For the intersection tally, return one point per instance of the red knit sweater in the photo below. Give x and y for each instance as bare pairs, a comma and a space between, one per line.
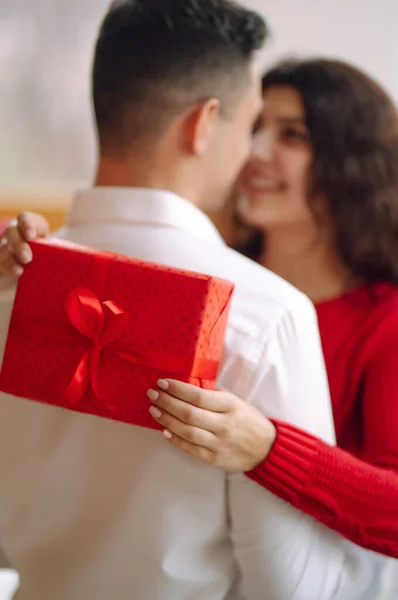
352, 488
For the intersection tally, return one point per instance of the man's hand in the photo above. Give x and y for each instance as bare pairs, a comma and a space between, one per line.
14, 249
214, 426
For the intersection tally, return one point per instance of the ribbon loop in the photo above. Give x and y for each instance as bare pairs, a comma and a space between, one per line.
102, 323
85, 312
117, 323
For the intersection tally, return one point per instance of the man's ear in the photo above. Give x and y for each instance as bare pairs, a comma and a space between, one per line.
201, 125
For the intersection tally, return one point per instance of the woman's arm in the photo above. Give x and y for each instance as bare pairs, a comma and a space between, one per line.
356, 498
14, 248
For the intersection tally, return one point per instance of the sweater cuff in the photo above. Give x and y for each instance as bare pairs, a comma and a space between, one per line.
290, 462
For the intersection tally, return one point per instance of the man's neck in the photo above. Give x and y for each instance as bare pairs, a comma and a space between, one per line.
114, 173
307, 261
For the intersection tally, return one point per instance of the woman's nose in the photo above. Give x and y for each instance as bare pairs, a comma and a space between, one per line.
264, 145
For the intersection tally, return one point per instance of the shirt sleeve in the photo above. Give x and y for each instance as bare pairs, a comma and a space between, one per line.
290, 381
279, 548
357, 498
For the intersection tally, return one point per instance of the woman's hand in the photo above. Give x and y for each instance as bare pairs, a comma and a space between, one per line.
215, 426
14, 249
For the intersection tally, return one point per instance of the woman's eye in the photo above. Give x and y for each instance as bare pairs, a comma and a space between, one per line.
293, 134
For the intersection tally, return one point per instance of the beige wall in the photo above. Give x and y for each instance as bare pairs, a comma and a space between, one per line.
47, 140
54, 209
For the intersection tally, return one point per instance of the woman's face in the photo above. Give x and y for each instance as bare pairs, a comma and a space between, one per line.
273, 187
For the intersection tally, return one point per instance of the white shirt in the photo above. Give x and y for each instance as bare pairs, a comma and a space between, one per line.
91, 509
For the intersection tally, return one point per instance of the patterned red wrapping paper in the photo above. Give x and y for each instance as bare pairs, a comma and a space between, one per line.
93, 331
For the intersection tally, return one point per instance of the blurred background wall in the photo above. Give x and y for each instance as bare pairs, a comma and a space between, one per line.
46, 134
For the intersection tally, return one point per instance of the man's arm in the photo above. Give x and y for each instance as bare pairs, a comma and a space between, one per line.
278, 548
282, 553
290, 381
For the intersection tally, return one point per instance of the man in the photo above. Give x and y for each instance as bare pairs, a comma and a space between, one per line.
93, 510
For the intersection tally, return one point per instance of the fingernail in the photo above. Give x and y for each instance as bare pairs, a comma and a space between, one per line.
166, 434
155, 412
163, 384
17, 270
152, 395
26, 257
29, 235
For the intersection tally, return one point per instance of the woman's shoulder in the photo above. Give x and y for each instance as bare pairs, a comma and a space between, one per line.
383, 317
363, 299
366, 316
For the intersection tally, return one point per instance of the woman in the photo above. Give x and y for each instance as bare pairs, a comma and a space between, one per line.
320, 199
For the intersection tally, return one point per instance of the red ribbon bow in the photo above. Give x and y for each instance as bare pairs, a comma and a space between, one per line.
104, 323
101, 322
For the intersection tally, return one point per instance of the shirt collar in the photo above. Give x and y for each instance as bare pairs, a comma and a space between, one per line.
143, 206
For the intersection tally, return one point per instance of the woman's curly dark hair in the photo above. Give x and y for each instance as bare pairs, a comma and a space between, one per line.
353, 128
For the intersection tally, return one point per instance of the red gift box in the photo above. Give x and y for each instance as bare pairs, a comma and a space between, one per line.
93, 331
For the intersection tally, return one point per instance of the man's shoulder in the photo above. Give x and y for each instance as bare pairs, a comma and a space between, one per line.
260, 298
265, 309
263, 293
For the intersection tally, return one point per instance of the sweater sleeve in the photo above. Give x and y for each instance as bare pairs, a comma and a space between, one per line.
357, 498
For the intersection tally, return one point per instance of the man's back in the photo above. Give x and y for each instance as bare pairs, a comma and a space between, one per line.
266, 310
93, 509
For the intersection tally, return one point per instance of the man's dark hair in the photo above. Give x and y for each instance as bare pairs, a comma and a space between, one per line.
155, 58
